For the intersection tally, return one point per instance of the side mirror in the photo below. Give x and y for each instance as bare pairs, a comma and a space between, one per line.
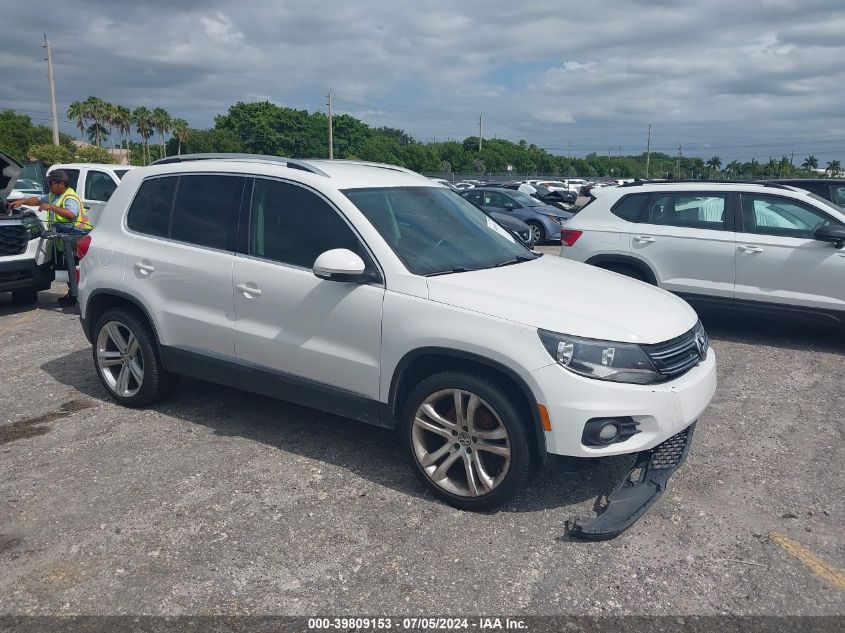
832, 233
340, 264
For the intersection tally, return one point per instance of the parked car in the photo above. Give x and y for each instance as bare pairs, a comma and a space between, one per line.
445, 183
760, 248
95, 183
545, 220
832, 189
463, 185
563, 198
516, 226
369, 292
26, 262
575, 184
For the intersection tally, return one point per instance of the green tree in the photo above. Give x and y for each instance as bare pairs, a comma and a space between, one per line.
123, 122
833, 167
95, 110
78, 113
180, 133
144, 127
811, 162
162, 123
94, 155
50, 154
208, 141
714, 164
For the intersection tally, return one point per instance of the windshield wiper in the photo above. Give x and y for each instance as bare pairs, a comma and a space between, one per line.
516, 260
458, 269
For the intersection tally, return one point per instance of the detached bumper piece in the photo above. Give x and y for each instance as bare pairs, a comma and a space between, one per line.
639, 490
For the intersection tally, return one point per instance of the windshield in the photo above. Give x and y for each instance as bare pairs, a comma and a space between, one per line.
525, 200
434, 230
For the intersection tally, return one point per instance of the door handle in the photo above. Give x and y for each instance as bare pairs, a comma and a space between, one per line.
248, 290
750, 249
645, 239
144, 269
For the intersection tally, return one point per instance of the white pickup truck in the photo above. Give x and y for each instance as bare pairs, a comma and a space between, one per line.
94, 183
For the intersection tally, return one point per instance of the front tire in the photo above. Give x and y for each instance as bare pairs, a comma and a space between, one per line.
466, 439
127, 360
538, 233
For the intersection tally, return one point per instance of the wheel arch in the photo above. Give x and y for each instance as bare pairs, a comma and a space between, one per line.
101, 301
426, 361
625, 260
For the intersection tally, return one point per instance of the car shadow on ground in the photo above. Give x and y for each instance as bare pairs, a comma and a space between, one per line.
782, 334
370, 452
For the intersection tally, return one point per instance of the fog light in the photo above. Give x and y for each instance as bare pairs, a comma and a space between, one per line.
604, 431
608, 432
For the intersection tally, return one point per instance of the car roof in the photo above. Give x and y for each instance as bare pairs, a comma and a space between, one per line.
339, 174
84, 165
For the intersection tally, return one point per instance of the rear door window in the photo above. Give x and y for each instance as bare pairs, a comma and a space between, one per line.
150, 210
690, 210
206, 209
99, 185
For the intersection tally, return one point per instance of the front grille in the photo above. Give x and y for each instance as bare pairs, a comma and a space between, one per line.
671, 452
13, 240
676, 356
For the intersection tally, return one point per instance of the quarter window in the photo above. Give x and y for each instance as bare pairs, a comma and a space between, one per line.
205, 212
630, 207
692, 210
773, 215
290, 224
150, 210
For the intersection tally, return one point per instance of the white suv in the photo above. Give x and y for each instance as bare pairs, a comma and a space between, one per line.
369, 291
756, 248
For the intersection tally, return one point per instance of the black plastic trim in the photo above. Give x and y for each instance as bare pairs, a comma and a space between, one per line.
411, 356
766, 310
625, 260
90, 323
270, 382
39, 277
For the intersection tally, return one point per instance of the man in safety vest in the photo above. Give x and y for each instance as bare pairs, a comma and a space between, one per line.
65, 212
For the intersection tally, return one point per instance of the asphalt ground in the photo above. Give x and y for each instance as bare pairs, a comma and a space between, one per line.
222, 502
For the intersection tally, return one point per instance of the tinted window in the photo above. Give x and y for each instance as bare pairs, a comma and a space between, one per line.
773, 215
838, 196
818, 188
293, 225
150, 210
700, 211
72, 178
99, 185
493, 199
119, 173
473, 196
630, 207
206, 210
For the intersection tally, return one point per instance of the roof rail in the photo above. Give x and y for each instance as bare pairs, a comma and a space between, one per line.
763, 183
292, 163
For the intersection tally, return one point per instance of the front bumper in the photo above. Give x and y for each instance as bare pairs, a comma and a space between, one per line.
661, 410
642, 486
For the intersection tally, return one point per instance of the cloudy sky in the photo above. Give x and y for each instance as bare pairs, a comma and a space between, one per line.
733, 78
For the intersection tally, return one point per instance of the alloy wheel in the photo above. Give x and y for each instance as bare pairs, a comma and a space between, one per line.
119, 359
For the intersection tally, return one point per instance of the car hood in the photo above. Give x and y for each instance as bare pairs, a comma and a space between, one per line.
568, 297
10, 169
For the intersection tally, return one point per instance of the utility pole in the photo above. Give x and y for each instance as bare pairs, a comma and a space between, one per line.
678, 164
52, 90
331, 142
648, 151
480, 129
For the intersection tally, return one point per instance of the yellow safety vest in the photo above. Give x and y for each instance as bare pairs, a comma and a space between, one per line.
81, 221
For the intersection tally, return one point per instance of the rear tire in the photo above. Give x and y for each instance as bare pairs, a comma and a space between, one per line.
477, 459
24, 297
127, 360
538, 233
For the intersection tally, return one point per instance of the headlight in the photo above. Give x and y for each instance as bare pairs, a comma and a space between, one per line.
604, 360
556, 219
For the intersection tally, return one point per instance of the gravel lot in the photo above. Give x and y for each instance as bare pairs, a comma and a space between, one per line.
220, 502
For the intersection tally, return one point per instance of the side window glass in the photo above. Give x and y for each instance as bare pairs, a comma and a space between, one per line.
630, 207
772, 215
839, 195
72, 178
474, 197
497, 200
206, 210
292, 225
690, 210
150, 210
99, 186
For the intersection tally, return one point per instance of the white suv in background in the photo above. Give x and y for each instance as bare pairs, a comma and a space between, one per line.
370, 292
757, 248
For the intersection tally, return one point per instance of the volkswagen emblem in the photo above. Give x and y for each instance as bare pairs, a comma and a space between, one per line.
701, 345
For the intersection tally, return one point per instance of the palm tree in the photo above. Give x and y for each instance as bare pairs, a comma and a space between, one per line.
733, 167
109, 114
811, 163
95, 109
77, 112
144, 123
714, 164
772, 167
123, 122
162, 122
833, 167
180, 131
785, 168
